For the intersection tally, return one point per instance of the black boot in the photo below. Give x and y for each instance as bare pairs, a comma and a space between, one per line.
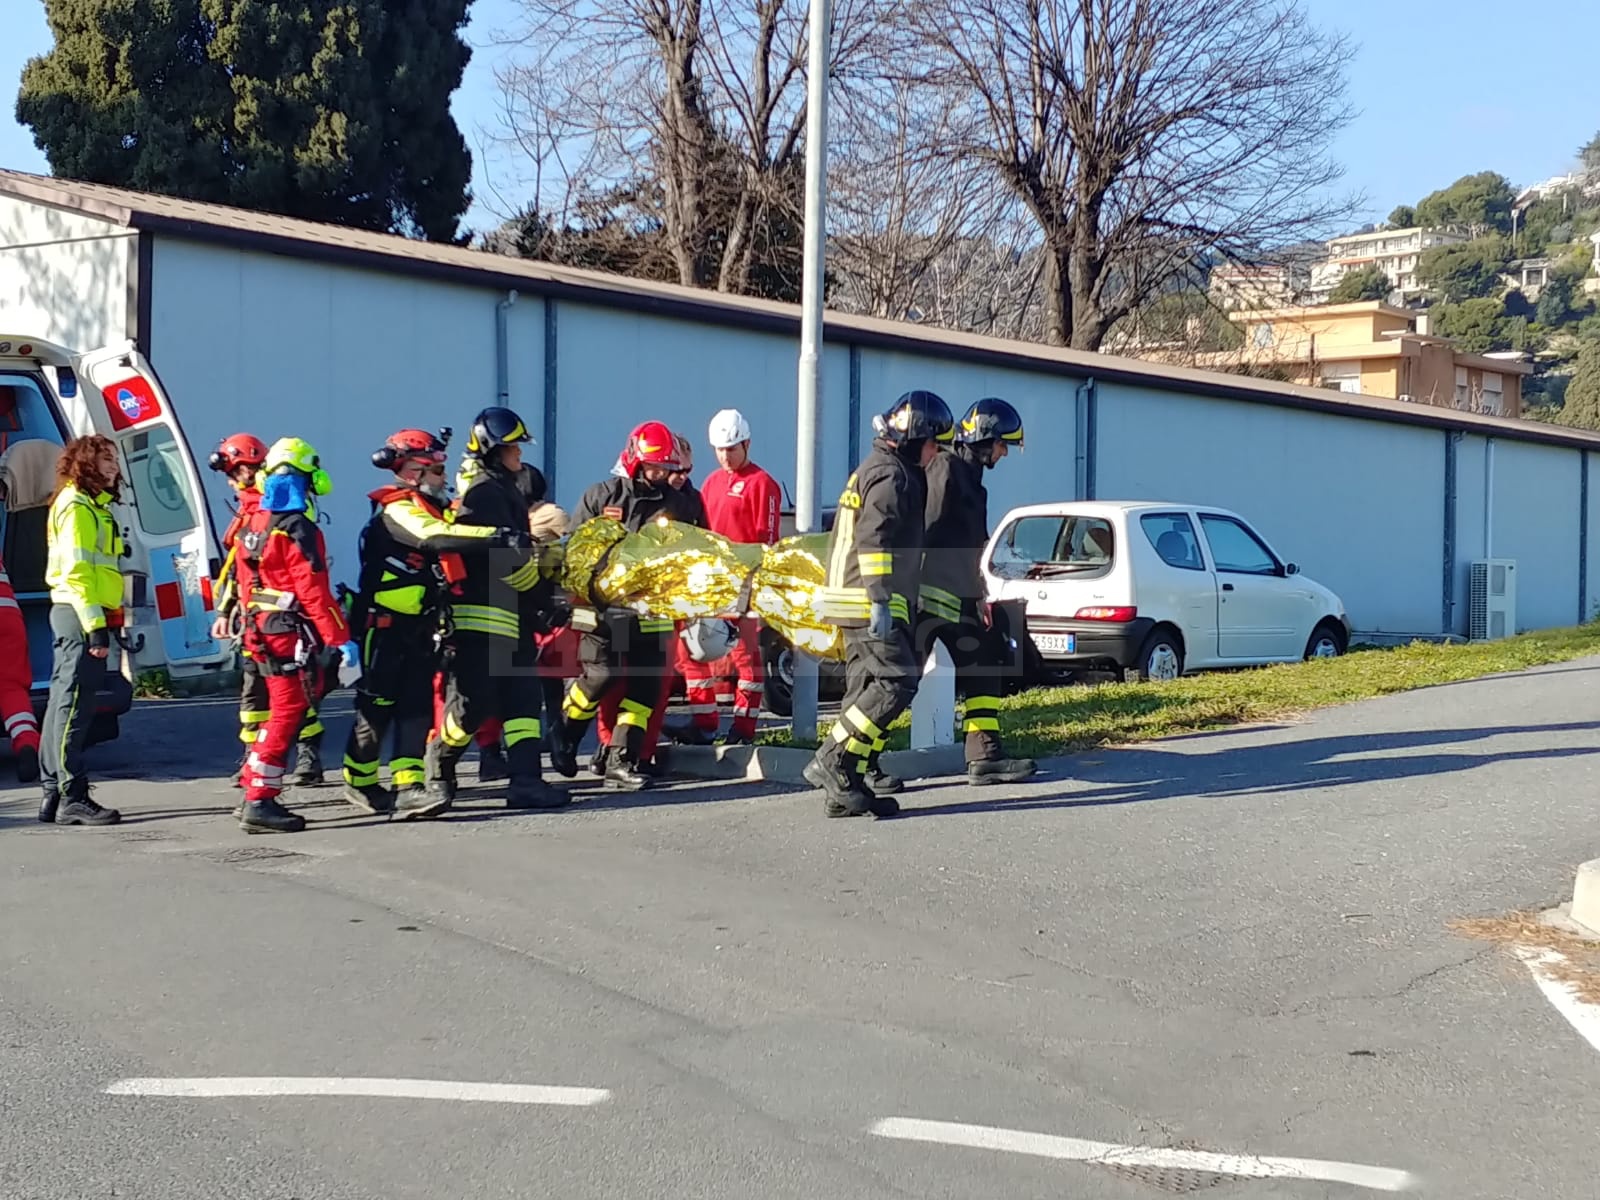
599, 759
28, 764
80, 809
373, 798
440, 765
624, 776
492, 764
564, 749
415, 802
48, 806
880, 783
1000, 770
840, 798
268, 816
533, 792
308, 770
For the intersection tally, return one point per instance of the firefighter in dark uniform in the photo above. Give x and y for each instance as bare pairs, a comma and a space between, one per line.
504, 600
617, 642
411, 561
952, 598
874, 572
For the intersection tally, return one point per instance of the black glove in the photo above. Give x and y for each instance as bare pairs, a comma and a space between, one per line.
100, 639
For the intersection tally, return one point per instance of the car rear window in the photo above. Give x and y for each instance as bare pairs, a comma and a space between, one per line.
1042, 546
1172, 535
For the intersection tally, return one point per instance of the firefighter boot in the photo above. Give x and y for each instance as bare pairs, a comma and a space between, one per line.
987, 763
373, 798
879, 782
308, 770
622, 764
564, 747
48, 807
841, 798
416, 801
599, 759
533, 792
268, 816
492, 763
439, 761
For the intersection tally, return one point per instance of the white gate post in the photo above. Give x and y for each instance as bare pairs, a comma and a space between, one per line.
933, 712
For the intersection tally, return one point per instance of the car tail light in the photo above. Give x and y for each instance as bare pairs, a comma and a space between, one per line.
1120, 615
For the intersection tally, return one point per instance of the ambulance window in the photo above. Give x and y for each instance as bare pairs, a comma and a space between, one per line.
24, 410
160, 483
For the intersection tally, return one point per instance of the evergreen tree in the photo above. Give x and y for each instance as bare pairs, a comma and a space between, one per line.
1369, 283
330, 111
1581, 408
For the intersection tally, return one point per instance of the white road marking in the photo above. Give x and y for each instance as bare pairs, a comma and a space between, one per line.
1583, 1016
408, 1089
1044, 1145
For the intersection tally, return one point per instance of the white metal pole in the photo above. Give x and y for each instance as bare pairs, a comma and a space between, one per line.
807, 501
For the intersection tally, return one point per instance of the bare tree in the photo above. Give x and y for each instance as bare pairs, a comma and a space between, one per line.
1143, 136
691, 112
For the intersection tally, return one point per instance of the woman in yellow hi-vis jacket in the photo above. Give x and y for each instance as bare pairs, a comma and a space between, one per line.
85, 578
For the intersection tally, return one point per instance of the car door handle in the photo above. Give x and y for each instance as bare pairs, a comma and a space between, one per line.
1227, 587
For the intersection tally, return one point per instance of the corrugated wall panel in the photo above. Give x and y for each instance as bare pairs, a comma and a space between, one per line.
1536, 494
1358, 505
341, 357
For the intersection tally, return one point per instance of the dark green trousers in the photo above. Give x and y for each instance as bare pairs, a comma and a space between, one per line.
75, 679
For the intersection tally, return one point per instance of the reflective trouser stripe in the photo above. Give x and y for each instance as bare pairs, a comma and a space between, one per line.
521, 729
631, 712
850, 742
578, 706
982, 714
452, 734
861, 722
981, 725
360, 774
407, 772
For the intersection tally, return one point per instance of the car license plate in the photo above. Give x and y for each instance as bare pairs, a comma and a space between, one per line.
1056, 643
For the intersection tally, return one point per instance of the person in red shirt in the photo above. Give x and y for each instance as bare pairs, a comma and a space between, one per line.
742, 504
16, 677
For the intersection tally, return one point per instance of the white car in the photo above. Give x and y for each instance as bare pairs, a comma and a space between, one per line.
1153, 590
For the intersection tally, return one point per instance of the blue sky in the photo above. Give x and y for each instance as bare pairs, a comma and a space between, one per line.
1441, 90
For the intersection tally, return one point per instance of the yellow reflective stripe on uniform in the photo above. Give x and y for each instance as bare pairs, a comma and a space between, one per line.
407, 601
524, 577
578, 706
254, 716
941, 603
981, 703
360, 774
861, 722
407, 772
482, 618
415, 520
452, 734
521, 729
631, 712
981, 725
900, 607
875, 563
850, 742
655, 624
312, 728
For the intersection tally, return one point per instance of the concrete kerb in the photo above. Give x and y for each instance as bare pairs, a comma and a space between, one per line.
1586, 896
781, 764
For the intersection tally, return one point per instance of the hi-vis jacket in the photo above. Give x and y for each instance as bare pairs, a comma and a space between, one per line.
875, 551
501, 594
957, 521
85, 548
411, 555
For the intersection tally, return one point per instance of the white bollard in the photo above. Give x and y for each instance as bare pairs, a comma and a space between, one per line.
933, 712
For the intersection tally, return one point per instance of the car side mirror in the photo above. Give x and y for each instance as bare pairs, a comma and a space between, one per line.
1291, 569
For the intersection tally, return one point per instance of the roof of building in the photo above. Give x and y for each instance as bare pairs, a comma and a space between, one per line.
246, 229
1297, 312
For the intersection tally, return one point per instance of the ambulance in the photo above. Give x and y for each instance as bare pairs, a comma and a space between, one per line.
50, 394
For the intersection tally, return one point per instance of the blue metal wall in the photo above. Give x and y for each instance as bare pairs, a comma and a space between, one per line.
1386, 513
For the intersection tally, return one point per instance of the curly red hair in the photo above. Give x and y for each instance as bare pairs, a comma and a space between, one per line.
79, 465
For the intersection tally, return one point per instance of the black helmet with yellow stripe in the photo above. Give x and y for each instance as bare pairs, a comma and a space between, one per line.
915, 417
493, 428
991, 420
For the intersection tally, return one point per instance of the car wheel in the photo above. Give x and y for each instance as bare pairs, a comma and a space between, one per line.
1160, 658
778, 659
1327, 641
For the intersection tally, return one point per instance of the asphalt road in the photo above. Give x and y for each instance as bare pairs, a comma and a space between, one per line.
1232, 943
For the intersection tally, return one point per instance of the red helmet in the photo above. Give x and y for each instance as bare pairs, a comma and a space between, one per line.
240, 450
409, 445
651, 443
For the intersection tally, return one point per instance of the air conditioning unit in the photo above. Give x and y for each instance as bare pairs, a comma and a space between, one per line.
1492, 599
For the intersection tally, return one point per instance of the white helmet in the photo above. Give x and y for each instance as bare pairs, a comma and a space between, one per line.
709, 639
728, 428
